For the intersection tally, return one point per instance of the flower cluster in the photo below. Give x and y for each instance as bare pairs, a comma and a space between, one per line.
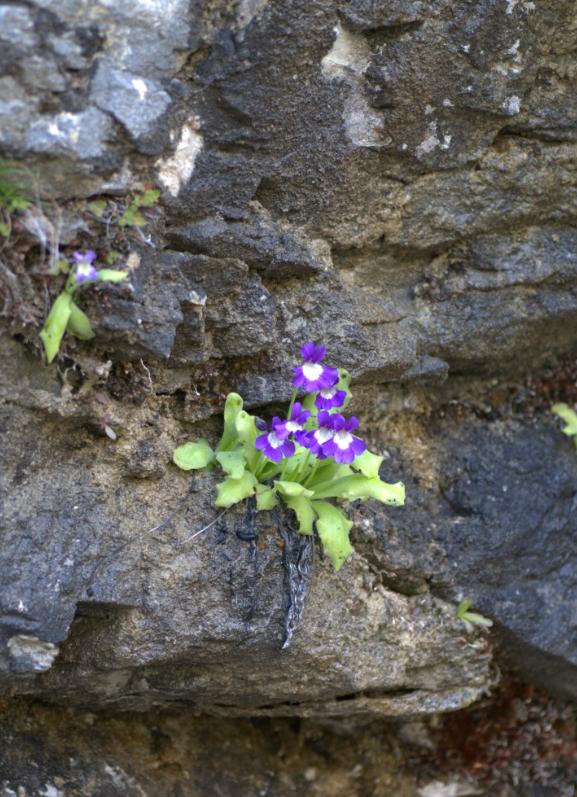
305, 461
324, 433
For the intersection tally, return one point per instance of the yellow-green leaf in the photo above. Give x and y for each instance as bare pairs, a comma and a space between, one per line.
265, 498
292, 489
368, 464
232, 407
148, 199
233, 463
329, 471
304, 511
352, 487
79, 324
333, 528
55, 325
565, 412
231, 491
246, 432
111, 275
97, 207
193, 456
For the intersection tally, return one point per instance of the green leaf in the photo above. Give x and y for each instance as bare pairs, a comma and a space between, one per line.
4, 229
232, 407
333, 528
231, 491
111, 275
112, 256
55, 325
308, 403
569, 416
18, 203
304, 511
471, 618
369, 464
245, 426
79, 324
233, 463
148, 199
193, 456
132, 217
343, 384
478, 619
463, 608
61, 266
265, 498
352, 487
97, 207
327, 471
292, 489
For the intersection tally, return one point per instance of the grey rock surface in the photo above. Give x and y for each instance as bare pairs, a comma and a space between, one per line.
103, 609
395, 179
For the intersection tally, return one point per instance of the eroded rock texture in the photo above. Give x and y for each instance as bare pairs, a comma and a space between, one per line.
396, 179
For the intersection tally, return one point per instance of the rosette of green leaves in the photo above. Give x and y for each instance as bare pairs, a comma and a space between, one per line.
306, 487
66, 316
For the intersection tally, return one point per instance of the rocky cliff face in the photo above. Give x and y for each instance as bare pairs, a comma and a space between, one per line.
396, 179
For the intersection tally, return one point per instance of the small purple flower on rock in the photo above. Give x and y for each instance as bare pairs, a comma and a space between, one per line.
85, 271
315, 440
343, 446
275, 444
295, 424
330, 398
312, 375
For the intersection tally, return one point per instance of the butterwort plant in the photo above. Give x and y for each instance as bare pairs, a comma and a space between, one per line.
309, 459
65, 315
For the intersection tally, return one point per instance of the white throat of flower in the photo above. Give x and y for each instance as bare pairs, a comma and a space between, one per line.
274, 440
312, 371
343, 439
293, 426
323, 434
328, 393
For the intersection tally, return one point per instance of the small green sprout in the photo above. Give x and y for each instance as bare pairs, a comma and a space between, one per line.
305, 461
568, 415
65, 315
132, 217
471, 619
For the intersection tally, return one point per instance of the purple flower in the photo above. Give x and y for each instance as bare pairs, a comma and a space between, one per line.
343, 445
85, 271
329, 398
311, 375
315, 440
295, 424
275, 445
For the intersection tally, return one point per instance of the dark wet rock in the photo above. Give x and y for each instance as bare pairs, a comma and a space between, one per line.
502, 533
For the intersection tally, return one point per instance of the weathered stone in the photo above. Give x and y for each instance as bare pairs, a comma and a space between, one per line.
135, 102
502, 504
80, 135
151, 630
396, 180
260, 243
